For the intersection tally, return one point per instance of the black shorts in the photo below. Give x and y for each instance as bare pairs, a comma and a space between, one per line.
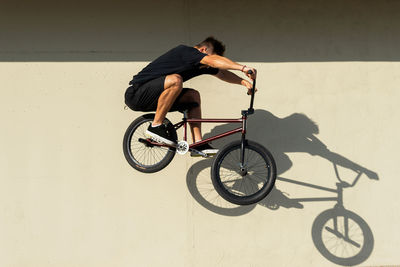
145, 97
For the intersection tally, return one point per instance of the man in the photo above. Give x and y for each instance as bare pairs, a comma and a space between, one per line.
159, 86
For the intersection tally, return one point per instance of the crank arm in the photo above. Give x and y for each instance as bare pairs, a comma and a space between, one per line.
204, 155
150, 143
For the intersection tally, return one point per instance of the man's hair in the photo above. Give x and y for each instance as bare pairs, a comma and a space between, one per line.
218, 47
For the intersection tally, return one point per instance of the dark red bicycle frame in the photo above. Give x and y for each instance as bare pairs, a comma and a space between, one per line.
185, 121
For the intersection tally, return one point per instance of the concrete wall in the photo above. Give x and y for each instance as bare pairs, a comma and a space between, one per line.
328, 94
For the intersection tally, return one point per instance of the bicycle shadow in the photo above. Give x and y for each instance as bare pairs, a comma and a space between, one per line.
294, 133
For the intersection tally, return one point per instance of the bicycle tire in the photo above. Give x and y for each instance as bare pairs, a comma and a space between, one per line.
147, 159
233, 190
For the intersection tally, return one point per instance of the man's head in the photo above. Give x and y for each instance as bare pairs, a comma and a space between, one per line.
211, 46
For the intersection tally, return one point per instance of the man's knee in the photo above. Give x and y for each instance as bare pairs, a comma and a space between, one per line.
191, 96
195, 96
173, 81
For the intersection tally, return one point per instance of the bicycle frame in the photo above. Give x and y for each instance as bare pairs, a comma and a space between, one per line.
193, 146
185, 121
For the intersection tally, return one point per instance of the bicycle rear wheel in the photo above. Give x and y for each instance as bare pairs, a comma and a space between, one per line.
141, 155
243, 187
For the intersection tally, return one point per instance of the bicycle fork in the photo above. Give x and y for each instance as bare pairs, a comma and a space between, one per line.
243, 167
245, 113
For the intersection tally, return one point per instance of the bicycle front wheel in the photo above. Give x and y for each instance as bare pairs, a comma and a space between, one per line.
246, 185
142, 156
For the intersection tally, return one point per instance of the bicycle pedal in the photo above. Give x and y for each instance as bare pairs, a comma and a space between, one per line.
197, 153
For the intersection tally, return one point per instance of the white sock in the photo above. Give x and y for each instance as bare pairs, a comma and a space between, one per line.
155, 125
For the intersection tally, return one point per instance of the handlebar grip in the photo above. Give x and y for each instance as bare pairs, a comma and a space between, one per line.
250, 72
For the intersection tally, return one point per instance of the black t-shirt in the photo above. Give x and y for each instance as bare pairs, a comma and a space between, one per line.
183, 60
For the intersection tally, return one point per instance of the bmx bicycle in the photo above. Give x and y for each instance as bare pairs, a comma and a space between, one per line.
243, 172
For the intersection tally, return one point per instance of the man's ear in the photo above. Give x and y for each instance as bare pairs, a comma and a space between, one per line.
203, 49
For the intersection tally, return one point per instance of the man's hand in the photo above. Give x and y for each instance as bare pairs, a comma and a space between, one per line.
248, 85
251, 76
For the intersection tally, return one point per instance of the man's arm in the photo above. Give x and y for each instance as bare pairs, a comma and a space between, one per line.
224, 63
219, 62
230, 77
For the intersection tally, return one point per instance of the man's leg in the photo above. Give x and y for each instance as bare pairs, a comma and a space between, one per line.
172, 88
193, 96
